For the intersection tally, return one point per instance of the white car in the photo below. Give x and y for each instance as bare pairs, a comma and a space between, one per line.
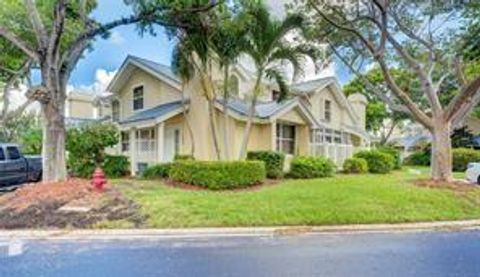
473, 173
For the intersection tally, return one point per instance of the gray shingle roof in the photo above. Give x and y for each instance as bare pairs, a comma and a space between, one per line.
154, 112
309, 86
157, 67
263, 110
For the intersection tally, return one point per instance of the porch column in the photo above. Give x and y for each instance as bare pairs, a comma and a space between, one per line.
160, 141
274, 136
133, 151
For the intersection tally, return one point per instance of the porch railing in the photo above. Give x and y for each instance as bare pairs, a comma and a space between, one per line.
146, 150
338, 153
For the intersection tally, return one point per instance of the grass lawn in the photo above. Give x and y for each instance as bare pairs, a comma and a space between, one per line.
340, 200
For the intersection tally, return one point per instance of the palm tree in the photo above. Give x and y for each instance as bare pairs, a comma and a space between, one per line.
194, 45
268, 48
184, 69
228, 43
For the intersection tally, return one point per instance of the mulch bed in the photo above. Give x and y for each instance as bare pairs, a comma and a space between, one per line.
457, 185
37, 205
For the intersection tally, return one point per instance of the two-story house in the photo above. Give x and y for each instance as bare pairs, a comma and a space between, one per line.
147, 105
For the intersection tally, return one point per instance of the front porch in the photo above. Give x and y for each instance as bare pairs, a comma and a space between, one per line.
146, 145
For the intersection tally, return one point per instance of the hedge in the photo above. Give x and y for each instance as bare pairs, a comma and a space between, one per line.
219, 175
179, 157
273, 162
116, 166
355, 165
421, 158
378, 162
157, 171
306, 167
462, 156
395, 153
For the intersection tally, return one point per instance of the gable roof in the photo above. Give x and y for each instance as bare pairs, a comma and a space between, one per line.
266, 111
158, 70
153, 113
316, 85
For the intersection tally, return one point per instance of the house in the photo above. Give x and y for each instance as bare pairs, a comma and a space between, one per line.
84, 107
147, 105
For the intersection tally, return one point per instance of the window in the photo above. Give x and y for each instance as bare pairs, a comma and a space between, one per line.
286, 138
328, 110
138, 98
2, 155
13, 153
337, 137
234, 86
125, 141
176, 137
275, 95
115, 111
328, 135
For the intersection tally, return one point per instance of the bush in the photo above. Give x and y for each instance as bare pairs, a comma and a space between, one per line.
157, 171
378, 162
116, 166
397, 157
420, 158
179, 157
355, 165
273, 162
218, 175
311, 167
86, 146
463, 156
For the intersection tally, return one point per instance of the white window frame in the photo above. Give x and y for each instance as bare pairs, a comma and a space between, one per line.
280, 138
134, 98
327, 113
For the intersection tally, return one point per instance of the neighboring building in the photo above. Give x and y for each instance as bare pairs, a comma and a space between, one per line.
146, 104
83, 107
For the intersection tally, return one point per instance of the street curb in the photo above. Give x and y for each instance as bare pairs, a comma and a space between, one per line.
191, 233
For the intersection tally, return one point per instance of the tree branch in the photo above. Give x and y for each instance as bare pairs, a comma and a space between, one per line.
19, 43
37, 24
463, 102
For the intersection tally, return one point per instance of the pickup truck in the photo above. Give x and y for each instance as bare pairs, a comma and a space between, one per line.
16, 169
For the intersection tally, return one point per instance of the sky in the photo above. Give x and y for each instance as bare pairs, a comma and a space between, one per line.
97, 68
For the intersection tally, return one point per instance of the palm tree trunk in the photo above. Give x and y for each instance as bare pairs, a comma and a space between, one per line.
187, 123
251, 114
213, 127
226, 132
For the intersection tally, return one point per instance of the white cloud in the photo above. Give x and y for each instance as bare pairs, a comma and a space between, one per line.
99, 86
116, 38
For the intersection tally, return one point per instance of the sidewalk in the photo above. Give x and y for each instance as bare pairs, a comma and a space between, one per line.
128, 234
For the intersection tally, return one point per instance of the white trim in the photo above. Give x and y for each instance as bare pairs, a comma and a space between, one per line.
132, 98
153, 121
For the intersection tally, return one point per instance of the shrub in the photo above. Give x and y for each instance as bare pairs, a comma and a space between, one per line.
311, 167
463, 156
116, 166
157, 171
355, 165
86, 146
395, 153
179, 157
378, 162
420, 158
273, 162
218, 175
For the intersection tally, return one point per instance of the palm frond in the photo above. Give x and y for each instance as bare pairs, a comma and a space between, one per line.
279, 78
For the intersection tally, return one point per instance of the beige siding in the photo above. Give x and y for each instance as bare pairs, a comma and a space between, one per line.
155, 92
80, 108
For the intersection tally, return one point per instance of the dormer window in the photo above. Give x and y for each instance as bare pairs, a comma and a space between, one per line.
115, 111
234, 86
138, 98
275, 95
327, 110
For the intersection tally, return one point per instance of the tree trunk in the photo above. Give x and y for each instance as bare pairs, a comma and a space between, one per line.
441, 152
226, 79
187, 123
213, 127
53, 152
248, 128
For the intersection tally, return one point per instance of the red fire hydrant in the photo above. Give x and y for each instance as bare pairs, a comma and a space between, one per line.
98, 179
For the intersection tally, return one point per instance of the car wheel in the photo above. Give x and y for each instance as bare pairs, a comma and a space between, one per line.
478, 180
39, 178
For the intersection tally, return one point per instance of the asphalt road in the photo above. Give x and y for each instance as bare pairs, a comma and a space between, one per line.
397, 254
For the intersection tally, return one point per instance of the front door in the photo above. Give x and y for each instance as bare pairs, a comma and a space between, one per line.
172, 142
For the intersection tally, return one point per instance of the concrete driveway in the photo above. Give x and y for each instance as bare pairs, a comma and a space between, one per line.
382, 254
